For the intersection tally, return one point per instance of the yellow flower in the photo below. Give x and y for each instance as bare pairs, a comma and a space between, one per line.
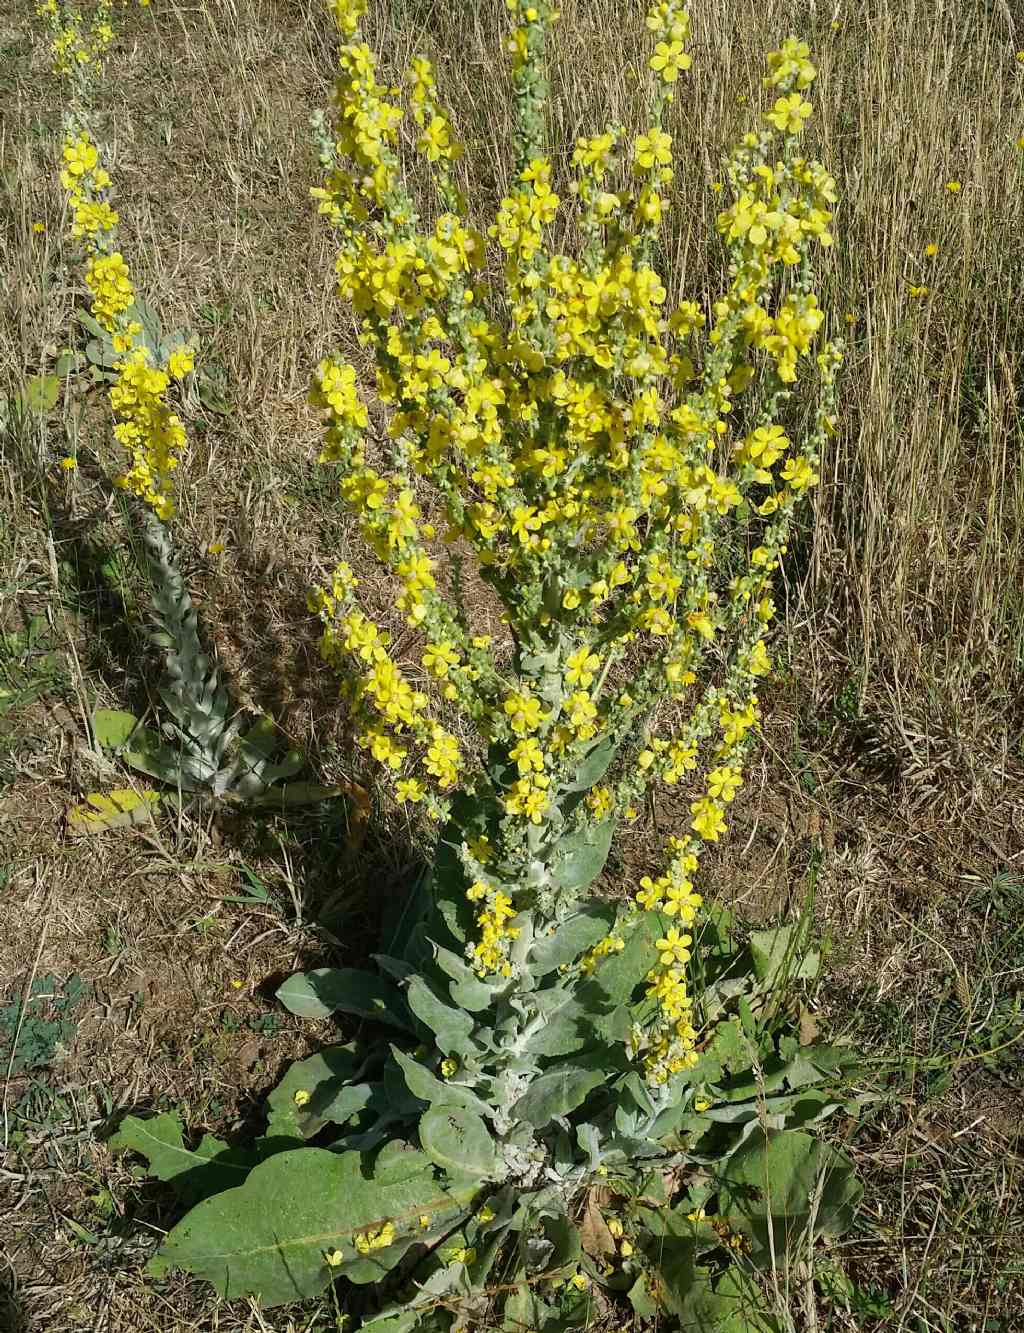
789, 114
302, 1097
38, 227
653, 149
332, 1257
69, 464
953, 187
668, 59
931, 249
180, 362
700, 1105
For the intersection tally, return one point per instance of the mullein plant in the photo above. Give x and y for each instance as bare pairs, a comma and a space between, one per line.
201, 748
594, 449
553, 1054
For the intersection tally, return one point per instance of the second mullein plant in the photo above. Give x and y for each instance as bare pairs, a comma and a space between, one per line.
563, 1101
201, 746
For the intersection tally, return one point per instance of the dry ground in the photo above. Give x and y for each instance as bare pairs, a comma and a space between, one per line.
890, 792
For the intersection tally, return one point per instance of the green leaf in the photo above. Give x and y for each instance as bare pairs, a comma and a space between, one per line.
112, 727
194, 1175
731, 1048
459, 1142
269, 1238
451, 1027
41, 393
467, 990
568, 1025
346, 990
304, 1101
291, 795
148, 754
580, 932
121, 808
594, 766
555, 1094
210, 396
619, 974
767, 1189
779, 956
581, 856
92, 325
422, 1084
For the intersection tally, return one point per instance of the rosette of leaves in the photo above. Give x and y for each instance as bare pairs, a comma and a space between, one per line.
500, 1142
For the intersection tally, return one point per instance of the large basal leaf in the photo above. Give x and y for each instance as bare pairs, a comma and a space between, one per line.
555, 1094
271, 1237
193, 1174
346, 990
459, 1142
292, 795
769, 1187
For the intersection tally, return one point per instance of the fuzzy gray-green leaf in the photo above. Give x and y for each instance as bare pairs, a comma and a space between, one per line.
330, 990
555, 1094
459, 1142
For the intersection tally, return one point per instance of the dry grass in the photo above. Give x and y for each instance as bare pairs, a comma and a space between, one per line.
892, 771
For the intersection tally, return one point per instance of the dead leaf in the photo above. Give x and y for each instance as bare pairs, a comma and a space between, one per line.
808, 1027
121, 808
595, 1237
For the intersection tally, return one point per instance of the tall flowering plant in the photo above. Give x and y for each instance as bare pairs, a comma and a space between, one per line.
201, 746
620, 469
595, 448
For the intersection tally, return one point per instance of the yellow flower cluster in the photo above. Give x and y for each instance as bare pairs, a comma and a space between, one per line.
490, 952
151, 433
77, 50
396, 714
376, 1238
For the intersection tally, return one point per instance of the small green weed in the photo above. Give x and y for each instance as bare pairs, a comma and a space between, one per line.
29, 666
32, 1028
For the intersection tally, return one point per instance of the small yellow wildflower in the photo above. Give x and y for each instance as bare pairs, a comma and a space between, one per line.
38, 227
931, 250
180, 362
953, 187
302, 1097
334, 1258
69, 464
